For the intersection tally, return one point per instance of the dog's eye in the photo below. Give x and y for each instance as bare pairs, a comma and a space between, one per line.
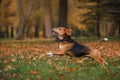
59, 28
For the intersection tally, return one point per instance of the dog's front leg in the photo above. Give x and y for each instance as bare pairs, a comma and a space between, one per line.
59, 52
63, 48
56, 52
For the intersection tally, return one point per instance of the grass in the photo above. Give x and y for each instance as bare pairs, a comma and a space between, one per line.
45, 41
59, 69
94, 39
14, 67
26, 41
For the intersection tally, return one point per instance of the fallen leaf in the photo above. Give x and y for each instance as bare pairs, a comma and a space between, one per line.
14, 75
6, 61
42, 56
71, 69
33, 72
7, 68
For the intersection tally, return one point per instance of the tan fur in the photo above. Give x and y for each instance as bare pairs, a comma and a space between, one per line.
62, 30
96, 55
63, 48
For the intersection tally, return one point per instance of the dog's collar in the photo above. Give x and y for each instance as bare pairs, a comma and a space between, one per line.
60, 37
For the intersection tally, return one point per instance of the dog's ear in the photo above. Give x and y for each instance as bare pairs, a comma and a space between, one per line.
68, 32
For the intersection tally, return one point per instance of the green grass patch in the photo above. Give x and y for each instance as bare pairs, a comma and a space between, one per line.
94, 39
43, 41
27, 41
58, 68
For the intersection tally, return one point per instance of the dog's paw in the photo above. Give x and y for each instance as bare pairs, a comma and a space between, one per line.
50, 54
105, 39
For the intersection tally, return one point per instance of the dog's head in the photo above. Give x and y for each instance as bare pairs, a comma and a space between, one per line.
61, 31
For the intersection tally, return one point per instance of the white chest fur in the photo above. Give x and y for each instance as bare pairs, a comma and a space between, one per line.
60, 37
60, 46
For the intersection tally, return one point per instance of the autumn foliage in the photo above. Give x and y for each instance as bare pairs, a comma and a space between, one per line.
108, 49
24, 59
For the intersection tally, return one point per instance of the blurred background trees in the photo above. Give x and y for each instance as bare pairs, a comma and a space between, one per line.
20, 19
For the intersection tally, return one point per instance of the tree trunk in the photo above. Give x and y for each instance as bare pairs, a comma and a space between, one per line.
47, 19
98, 26
98, 19
103, 28
12, 32
21, 30
119, 30
0, 2
23, 19
37, 28
0, 32
7, 32
63, 10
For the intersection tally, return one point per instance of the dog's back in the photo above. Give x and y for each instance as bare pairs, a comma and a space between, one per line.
79, 50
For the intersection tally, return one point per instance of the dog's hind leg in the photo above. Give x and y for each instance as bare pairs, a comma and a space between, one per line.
96, 55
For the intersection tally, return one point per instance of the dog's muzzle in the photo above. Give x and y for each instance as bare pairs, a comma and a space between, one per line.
54, 33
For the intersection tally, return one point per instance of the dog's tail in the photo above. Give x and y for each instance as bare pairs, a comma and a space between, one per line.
104, 39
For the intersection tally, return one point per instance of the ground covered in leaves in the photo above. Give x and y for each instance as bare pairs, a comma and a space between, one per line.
23, 60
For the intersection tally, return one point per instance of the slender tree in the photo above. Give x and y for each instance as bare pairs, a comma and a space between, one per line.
37, 26
0, 2
63, 12
7, 31
23, 18
1, 18
12, 32
47, 19
98, 18
4, 15
119, 30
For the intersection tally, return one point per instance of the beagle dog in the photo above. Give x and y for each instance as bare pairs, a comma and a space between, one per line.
66, 45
